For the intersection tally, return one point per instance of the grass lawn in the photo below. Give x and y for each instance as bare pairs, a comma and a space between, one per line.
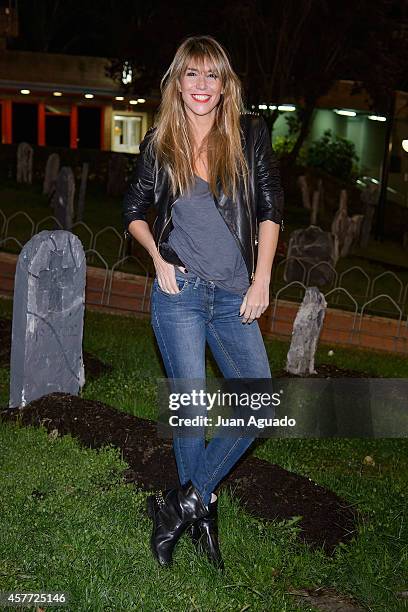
69, 523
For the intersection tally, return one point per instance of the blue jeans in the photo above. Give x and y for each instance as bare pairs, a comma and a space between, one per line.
182, 323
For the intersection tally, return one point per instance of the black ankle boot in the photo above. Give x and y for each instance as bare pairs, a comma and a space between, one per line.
204, 533
172, 511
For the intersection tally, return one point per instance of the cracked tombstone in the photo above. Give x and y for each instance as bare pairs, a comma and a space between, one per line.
48, 310
304, 400
51, 173
62, 200
24, 163
306, 331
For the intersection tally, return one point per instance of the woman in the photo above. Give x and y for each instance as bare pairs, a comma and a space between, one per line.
210, 171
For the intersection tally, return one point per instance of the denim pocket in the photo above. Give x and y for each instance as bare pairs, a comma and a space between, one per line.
182, 284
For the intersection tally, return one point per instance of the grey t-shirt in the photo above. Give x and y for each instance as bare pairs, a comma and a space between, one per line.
204, 243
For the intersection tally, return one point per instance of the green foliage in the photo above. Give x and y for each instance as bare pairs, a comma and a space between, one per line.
333, 154
283, 145
294, 123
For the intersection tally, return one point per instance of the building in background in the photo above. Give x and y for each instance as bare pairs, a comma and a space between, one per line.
59, 100
348, 115
67, 101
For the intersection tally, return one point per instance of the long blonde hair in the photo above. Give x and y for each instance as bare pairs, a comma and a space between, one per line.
172, 139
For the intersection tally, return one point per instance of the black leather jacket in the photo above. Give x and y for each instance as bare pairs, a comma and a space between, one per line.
149, 186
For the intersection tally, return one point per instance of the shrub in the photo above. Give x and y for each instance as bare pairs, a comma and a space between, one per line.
333, 154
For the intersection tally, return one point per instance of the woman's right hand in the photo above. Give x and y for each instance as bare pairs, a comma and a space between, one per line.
166, 276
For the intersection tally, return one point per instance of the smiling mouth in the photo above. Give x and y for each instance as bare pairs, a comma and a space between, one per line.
200, 97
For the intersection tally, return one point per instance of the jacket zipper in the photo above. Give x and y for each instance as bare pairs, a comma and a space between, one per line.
252, 244
165, 225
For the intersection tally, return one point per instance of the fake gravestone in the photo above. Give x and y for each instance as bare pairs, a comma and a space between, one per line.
51, 173
48, 310
352, 236
24, 163
340, 225
369, 197
345, 229
62, 200
312, 246
306, 331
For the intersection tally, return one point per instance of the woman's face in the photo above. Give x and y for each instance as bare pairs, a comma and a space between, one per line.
200, 88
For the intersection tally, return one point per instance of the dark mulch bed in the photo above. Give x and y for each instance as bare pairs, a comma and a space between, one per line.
265, 490
327, 370
94, 367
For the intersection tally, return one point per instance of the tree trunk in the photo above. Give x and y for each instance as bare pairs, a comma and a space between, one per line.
304, 130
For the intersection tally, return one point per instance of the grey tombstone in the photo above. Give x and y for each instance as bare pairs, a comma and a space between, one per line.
117, 174
82, 192
48, 312
312, 246
62, 200
346, 230
369, 197
51, 173
306, 331
352, 235
24, 163
340, 225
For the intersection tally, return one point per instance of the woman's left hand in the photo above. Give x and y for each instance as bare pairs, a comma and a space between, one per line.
255, 302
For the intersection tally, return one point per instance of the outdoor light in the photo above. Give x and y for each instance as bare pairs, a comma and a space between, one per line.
25, 91
57, 94
377, 118
405, 145
286, 107
120, 98
347, 113
88, 95
272, 107
141, 100
262, 106
127, 74
132, 101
